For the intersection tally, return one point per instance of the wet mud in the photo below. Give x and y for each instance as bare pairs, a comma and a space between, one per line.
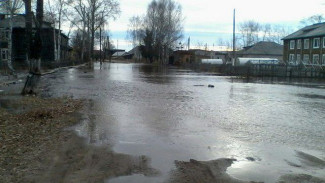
203, 171
35, 145
73, 161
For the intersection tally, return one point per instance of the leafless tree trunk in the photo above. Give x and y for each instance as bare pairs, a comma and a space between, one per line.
36, 52
81, 18
28, 31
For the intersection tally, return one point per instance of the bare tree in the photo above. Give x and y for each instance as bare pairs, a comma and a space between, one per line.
11, 7
99, 13
279, 32
319, 18
80, 21
163, 28
199, 45
249, 32
267, 32
56, 11
135, 30
221, 42
91, 15
228, 43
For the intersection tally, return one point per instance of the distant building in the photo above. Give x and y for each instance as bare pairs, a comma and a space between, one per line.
50, 37
134, 54
196, 55
182, 57
306, 46
262, 50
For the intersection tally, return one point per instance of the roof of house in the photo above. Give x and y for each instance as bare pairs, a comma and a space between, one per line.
19, 22
119, 54
262, 48
132, 51
308, 31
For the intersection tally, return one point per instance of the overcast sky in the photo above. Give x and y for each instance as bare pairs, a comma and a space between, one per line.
207, 21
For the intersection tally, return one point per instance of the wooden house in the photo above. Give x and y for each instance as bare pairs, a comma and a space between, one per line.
306, 46
49, 38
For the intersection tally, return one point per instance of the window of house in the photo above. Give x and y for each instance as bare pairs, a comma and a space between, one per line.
299, 44
291, 58
298, 59
3, 35
306, 44
4, 54
323, 59
306, 59
292, 44
316, 43
315, 59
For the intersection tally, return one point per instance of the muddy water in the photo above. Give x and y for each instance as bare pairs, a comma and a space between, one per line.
170, 114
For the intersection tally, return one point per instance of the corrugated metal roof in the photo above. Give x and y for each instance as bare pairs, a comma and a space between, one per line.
309, 31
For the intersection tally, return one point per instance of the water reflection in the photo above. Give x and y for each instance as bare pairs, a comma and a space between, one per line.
311, 96
156, 74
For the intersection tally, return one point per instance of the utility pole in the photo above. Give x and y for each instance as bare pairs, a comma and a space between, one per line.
189, 43
234, 39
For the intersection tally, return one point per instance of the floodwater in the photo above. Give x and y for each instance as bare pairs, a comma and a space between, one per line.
169, 114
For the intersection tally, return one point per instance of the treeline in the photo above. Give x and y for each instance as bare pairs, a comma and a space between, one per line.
250, 32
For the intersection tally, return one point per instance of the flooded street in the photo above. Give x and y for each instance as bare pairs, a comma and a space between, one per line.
169, 114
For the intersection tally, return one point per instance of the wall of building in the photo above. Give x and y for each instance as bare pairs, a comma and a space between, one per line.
48, 49
304, 51
279, 57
